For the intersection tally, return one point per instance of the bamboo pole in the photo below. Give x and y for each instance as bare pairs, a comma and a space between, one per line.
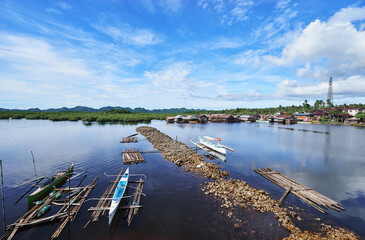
2, 194
35, 172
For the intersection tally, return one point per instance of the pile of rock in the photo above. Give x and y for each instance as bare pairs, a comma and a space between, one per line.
181, 154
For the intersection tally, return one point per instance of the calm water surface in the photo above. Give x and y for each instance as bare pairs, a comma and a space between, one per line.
329, 159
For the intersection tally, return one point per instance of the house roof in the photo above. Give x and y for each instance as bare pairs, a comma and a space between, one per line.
223, 116
283, 116
190, 117
303, 114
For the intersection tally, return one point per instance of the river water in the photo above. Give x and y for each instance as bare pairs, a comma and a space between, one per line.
329, 159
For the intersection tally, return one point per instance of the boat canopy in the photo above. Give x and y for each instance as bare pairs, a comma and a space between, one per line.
209, 138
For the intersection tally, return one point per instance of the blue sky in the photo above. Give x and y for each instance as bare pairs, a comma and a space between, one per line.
196, 54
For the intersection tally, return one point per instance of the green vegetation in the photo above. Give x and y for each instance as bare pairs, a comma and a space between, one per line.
361, 116
127, 115
107, 116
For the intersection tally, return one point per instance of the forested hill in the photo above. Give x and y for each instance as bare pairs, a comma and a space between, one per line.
103, 109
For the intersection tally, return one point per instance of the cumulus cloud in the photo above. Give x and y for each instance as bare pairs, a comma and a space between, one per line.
335, 47
336, 43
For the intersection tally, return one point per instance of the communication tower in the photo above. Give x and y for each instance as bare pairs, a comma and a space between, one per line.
330, 93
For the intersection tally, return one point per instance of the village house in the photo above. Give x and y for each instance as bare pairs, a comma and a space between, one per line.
170, 119
354, 111
352, 120
178, 119
303, 116
190, 119
222, 118
317, 115
202, 118
286, 119
247, 118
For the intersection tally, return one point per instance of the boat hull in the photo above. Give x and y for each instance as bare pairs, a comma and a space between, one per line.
118, 194
212, 146
57, 182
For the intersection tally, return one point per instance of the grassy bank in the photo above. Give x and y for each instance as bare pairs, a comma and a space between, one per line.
85, 116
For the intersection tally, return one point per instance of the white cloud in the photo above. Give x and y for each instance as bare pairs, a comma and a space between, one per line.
129, 35
36, 57
223, 42
337, 42
249, 57
174, 78
229, 11
248, 96
64, 5
167, 6
281, 4
353, 86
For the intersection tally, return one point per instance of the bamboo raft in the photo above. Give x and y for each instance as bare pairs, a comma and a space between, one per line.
131, 156
67, 212
104, 201
129, 140
103, 205
308, 195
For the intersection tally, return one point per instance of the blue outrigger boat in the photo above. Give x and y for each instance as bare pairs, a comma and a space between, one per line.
118, 195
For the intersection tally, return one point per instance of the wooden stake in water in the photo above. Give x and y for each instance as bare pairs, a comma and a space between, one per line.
2, 191
35, 172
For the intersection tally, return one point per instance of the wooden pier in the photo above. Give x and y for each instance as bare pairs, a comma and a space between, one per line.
307, 194
132, 156
67, 212
104, 203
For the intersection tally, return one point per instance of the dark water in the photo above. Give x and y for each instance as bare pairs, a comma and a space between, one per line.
329, 159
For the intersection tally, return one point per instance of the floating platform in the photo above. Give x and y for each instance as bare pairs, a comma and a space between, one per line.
67, 212
307, 194
129, 140
132, 156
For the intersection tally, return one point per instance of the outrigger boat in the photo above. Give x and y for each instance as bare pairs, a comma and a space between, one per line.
47, 187
212, 146
213, 143
118, 195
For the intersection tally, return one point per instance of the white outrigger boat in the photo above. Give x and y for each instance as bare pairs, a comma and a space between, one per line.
212, 146
213, 143
118, 195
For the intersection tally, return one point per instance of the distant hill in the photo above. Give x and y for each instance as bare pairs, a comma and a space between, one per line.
103, 109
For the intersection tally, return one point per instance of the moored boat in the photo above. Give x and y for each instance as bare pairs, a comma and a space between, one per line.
213, 144
47, 187
118, 195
